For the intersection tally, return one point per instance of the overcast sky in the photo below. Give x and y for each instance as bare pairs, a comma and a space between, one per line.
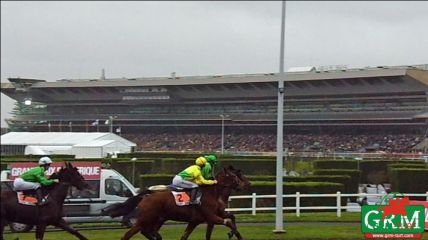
56, 40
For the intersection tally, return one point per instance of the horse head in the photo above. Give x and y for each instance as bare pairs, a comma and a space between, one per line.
244, 183
227, 178
72, 176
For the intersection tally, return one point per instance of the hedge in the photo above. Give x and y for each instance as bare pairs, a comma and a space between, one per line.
376, 171
411, 161
248, 167
353, 174
252, 167
174, 166
126, 169
407, 180
406, 165
148, 180
343, 179
335, 164
176, 155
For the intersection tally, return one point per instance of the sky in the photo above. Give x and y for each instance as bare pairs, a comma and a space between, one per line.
72, 40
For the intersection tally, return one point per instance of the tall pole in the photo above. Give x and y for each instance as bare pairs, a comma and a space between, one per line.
222, 134
279, 224
133, 170
111, 123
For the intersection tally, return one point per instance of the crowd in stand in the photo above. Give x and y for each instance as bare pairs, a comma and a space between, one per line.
398, 143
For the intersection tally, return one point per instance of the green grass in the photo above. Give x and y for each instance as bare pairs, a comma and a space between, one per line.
323, 225
248, 232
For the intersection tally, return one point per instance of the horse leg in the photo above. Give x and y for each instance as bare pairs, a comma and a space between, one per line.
209, 232
156, 230
3, 220
189, 229
158, 236
214, 219
236, 232
40, 231
63, 225
2, 225
134, 230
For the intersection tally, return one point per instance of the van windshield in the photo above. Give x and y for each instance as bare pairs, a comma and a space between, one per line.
92, 192
117, 187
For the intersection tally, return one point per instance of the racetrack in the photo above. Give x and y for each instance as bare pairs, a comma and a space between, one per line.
255, 231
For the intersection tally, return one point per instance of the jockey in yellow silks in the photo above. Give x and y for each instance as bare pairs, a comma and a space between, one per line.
191, 177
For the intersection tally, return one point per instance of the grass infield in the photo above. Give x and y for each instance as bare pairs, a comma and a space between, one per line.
248, 232
259, 227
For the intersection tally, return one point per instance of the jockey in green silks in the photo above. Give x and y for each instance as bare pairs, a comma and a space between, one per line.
35, 179
208, 169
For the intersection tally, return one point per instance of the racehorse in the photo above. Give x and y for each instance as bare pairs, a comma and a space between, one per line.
48, 214
155, 208
221, 211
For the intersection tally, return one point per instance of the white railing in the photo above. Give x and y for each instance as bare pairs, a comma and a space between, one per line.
338, 207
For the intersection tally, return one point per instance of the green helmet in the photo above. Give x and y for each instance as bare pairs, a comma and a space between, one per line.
211, 159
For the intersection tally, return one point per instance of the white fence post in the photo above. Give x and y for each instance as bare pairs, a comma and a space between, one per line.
298, 204
338, 201
253, 205
298, 196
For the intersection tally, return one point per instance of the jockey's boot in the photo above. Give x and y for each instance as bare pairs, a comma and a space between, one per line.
194, 197
40, 200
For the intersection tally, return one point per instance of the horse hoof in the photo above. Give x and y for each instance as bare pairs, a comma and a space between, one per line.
230, 235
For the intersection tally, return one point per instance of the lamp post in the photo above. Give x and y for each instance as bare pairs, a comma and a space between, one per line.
110, 121
222, 132
133, 170
279, 224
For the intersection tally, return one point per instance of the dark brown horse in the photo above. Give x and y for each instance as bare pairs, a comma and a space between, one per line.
48, 214
221, 211
156, 208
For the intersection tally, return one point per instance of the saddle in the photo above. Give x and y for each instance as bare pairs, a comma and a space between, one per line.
27, 197
182, 196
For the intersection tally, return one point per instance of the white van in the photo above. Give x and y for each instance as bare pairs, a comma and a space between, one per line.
85, 206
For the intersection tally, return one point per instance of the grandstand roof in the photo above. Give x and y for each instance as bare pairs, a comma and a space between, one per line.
227, 87
60, 138
218, 79
383, 95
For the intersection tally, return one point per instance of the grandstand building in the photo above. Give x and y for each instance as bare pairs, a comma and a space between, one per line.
380, 99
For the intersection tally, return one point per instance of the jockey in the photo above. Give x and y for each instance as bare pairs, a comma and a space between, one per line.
208, 169
34, 179
191, 177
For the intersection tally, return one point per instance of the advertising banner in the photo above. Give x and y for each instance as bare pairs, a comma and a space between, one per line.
89, 170
393, 217
425, 204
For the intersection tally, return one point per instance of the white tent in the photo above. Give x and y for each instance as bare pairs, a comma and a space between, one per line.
47, 150
82, 145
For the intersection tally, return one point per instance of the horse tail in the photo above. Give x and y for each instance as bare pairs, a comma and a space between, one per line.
122, 209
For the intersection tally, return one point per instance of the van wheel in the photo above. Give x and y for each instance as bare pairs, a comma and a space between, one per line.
20, 227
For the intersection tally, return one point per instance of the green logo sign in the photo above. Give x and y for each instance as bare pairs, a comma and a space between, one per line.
395, 219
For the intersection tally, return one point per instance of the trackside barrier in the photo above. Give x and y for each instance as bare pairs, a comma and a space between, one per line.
298, 197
